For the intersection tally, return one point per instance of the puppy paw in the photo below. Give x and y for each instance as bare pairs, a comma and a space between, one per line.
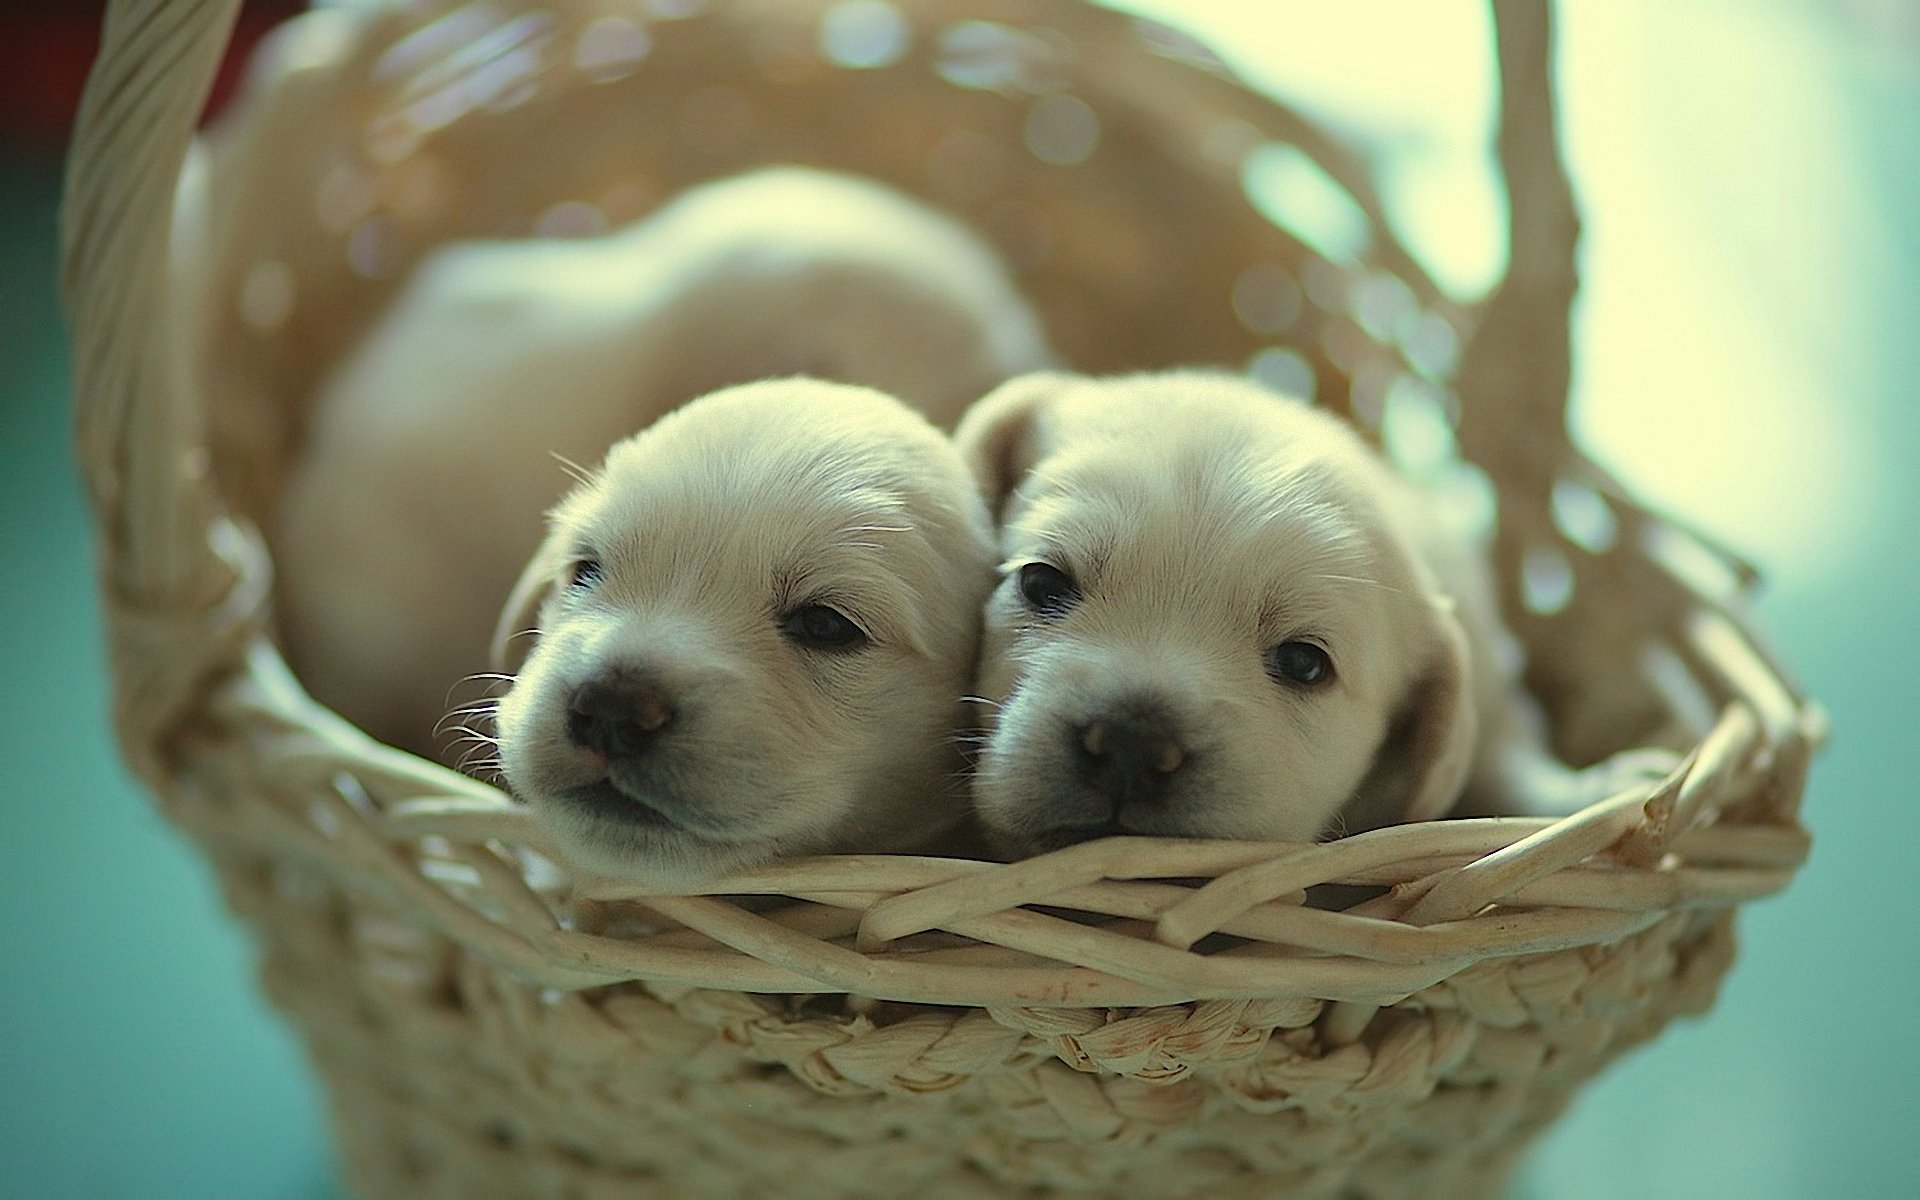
1645, 764
1625, 771
1537, 785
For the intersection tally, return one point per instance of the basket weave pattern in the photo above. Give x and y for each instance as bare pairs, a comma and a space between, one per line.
491, 1022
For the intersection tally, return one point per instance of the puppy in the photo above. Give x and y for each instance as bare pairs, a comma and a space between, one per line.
1222, 615
756, 626
430, 457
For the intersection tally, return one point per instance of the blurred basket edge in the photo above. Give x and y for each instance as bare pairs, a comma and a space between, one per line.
489, 1025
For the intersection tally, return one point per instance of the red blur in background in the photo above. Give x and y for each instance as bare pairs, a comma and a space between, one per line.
46, 47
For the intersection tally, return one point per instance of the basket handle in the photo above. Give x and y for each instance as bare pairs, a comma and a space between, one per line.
183, 587
138, 428
1516, 369
140, 437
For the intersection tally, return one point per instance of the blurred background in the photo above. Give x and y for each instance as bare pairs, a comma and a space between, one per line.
1750, 175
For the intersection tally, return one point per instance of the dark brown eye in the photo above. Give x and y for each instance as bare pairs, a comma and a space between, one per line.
584, 572
819, 627
1047, 589
1300, 663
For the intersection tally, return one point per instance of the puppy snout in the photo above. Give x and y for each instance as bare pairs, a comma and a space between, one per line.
1129, 757
617, 717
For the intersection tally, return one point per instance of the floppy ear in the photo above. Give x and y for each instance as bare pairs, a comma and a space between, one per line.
1004, 434
1422, 766
513, 634
1445, 727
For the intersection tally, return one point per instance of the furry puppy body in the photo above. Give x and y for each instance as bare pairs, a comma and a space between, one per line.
430, 458
756, 625
1222, 615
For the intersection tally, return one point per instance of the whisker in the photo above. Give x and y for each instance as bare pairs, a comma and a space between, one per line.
470, 731
1361, 579
574, 470
465, 713
482, 702
472, 745
446, 729
472, 754
487, 771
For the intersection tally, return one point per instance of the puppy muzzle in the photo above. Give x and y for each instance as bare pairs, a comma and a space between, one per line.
633, 724
1128, 757
1121, 770
619, 716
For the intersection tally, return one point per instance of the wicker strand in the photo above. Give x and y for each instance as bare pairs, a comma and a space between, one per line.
1515, 370
174, 565
136, 428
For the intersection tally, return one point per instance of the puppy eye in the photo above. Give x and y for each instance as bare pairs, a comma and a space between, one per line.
1047, 589
818, 627
583, 573
1301, 663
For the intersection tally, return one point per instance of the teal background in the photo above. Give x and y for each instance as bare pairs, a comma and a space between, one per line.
1752, 177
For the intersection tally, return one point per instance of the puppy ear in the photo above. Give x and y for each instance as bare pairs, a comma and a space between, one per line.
1424, 762
1444, 725
1004, 434
514, 633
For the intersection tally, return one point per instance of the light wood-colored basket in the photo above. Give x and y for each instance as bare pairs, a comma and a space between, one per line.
490, 1023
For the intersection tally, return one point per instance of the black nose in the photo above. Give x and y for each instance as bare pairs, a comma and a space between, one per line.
1130, 758
619, 718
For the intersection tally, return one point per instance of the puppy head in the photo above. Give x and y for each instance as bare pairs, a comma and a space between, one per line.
1210, 621
755, 627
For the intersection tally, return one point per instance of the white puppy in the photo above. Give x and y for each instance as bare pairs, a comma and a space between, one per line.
1222, 615
756, 626
430, 458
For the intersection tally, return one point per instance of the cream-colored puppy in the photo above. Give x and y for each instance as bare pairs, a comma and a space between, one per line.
1222, 615
756, 628
430, 458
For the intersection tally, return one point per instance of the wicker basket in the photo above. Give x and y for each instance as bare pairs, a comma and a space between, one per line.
491, 1023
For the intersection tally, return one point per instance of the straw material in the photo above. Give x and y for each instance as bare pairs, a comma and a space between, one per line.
1145, 1016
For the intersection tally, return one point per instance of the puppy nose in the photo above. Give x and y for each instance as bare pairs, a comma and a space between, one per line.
617, 718
1129, 758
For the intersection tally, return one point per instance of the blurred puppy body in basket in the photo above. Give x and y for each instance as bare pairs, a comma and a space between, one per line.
1223, 615
431, 454
431, 457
